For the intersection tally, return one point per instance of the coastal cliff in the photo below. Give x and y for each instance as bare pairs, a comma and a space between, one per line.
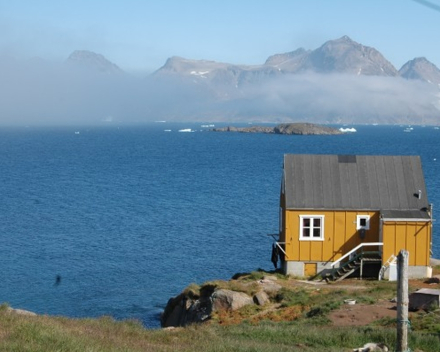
284, 128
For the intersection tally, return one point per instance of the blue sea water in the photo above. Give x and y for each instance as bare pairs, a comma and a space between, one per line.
127, 216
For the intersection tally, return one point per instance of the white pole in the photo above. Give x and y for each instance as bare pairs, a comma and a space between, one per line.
402, 301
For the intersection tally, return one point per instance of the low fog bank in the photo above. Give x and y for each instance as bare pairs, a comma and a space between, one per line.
35, 92
339, 98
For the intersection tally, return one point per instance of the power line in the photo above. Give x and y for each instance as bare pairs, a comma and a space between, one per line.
429, 4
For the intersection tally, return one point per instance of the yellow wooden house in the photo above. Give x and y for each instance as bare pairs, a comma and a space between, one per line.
341, 212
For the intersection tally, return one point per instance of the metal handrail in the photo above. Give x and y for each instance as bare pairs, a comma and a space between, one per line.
281, 248
278, 244
355, 249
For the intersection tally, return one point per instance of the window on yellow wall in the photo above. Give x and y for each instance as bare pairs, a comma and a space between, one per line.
311, 228
363, 222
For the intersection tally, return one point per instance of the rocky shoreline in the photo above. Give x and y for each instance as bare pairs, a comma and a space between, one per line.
197, 306
11, 310
284, 128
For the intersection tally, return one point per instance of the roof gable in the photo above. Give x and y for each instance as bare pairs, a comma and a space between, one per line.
354, 182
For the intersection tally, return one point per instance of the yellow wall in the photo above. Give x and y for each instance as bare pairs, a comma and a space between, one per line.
415, 237
340, 235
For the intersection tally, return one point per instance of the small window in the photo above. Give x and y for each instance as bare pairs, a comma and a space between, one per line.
311, 227
363, 222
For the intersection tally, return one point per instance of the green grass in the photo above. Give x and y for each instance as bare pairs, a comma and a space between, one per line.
289, 298
42, 333
426, 322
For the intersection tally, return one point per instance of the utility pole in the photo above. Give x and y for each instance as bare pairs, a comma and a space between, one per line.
402, 301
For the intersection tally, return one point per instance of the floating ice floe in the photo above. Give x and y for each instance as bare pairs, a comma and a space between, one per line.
348, 129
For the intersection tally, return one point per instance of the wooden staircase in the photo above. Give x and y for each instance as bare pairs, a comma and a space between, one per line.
352, 265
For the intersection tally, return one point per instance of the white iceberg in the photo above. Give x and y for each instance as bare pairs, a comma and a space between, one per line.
348, 129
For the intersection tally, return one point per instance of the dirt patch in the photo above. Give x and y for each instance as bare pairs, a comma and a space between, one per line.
418, 284
362, 314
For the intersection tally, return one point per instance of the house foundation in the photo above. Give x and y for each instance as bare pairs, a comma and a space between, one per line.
303, 269
414, 272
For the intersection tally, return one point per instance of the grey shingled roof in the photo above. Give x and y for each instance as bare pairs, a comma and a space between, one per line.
355, 182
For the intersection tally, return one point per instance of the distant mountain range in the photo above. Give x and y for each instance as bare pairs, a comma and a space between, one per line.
84, 59
342, 81
342, 56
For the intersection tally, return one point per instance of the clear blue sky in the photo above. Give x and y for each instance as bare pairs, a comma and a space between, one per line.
139, 35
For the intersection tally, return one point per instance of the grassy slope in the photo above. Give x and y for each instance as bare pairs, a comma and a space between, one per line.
296, 321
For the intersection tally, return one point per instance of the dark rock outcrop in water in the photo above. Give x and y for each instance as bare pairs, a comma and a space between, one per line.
284, 128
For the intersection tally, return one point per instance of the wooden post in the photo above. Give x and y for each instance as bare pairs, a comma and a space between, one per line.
402, 301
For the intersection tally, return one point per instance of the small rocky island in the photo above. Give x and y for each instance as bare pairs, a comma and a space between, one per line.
284, 128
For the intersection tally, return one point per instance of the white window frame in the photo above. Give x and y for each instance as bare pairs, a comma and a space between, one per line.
301, 227
358, 222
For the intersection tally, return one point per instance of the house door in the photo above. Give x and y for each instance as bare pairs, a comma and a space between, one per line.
310, 269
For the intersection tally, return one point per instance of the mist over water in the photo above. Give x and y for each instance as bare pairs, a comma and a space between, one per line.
36, 92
